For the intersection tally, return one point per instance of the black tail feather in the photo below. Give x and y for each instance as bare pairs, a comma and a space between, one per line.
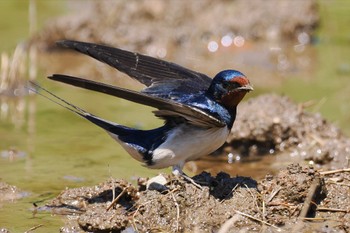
34, 87
141, 141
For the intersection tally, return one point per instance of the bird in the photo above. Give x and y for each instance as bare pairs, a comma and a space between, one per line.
198, 111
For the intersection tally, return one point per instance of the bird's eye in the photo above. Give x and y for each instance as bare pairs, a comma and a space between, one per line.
235, 85
231, 85
225, 85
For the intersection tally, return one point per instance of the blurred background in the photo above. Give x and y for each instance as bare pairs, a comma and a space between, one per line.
298, 49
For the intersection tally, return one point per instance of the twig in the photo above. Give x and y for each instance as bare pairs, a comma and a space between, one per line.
34, 228
35, 210
177, 212
116, 199
133, 223
138, 208
233, 189
189, 179
172, 191
229, 223
308, 200
254, 197
336, 183
263, 209
319, 104
332, 209
258, 220
317, 139
306, 104
273, 194
321, 219
288, 205
306, 205
335, 171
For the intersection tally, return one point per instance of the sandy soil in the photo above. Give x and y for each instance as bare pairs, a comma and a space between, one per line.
297, 199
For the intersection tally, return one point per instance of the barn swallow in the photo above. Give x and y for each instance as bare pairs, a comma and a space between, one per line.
198, 111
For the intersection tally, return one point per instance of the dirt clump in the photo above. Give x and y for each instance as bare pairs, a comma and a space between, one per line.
91, 204
143, 25
285, 201
280, 125
286, 192
335, 206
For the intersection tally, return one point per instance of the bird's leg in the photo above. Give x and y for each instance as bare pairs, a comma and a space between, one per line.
177, 171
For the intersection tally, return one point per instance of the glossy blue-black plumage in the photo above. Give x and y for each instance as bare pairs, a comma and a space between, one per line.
144, 141
198, 111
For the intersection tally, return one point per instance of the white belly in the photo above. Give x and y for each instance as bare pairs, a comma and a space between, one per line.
187, 143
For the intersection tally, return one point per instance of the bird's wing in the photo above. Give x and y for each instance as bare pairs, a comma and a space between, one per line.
161, 78
166, 107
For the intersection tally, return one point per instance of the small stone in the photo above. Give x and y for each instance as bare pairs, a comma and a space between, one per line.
157, 183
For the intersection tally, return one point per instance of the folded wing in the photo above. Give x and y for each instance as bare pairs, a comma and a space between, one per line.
166, 107
162, 78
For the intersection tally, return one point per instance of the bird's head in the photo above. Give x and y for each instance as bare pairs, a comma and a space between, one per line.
229, 87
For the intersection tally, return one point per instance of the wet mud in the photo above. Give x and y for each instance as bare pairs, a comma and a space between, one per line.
271, 124
297, 199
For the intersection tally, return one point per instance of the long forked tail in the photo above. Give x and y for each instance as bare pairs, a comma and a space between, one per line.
107, 125
137, 142
36, 88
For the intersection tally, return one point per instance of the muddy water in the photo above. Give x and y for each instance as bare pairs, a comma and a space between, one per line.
45, 148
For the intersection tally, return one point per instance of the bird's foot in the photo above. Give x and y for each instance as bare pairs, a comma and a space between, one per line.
177, 171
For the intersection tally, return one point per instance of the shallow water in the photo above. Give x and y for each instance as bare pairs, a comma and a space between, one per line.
45, 148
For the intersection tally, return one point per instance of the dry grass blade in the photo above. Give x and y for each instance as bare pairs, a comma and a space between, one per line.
34, 228
273, 194
306, 206
335, 171
116, 199
332, 209
309, 197
258, 220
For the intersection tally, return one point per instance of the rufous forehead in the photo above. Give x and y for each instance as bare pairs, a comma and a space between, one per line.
241, 80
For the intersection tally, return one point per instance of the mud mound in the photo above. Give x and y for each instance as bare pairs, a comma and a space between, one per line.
224, 204
10, 192
141, 24
273, 123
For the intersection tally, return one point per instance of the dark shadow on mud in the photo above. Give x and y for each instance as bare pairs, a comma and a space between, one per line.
222, 186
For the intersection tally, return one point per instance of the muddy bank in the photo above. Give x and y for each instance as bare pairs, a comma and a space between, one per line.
297, 199
143, 25
273, 124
